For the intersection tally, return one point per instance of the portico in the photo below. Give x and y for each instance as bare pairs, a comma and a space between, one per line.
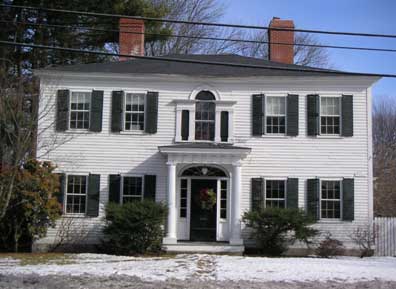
204, 179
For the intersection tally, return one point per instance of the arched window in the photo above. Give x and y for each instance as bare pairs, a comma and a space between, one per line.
205, 111
203, 171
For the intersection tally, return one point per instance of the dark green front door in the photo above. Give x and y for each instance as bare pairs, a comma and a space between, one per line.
203, 211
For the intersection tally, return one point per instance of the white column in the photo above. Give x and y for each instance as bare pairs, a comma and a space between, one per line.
230, 126
172, 211
191, 128
236, 204
217, 126
178, 125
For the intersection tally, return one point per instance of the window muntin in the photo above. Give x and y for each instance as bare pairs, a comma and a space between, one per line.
76, 194
183, 198
275, 194
330, 115
134, 112
205, 111
132, 189
330, 201
275, 115
205, 120
80, 104
223, 199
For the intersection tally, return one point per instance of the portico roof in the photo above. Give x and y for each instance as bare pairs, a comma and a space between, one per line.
204, 153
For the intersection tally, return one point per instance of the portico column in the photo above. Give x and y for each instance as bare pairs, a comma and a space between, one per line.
172, 211
236, 204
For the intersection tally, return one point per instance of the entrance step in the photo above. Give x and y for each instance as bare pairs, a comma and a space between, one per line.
204, 247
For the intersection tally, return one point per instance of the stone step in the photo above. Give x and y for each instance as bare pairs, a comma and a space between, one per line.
204, 247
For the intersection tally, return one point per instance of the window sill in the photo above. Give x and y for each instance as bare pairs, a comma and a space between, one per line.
136, 132
276, 136
79, 131
331, 221
79, 216
330, 136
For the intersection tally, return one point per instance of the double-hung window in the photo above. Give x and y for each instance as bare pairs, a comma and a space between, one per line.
330, 199
275, 115
134, 111
80, 103
205, 116
330, 115
275, 193
132, 189
76, 194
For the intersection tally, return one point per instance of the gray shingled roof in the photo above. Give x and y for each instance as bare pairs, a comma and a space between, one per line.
147, 66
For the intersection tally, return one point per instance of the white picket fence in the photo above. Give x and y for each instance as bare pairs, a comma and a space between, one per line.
385, 243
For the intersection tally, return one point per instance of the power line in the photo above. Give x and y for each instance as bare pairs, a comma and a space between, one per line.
202, 37
95, 14
170, 59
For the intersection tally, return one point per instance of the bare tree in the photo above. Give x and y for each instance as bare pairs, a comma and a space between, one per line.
19, 118
384, 153
212, 11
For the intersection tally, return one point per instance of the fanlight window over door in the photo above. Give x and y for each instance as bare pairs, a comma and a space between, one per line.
203, 171
205, 111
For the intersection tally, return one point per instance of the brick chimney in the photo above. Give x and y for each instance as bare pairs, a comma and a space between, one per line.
130, 43
278, 52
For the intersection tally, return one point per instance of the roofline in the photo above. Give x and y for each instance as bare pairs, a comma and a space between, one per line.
45, 73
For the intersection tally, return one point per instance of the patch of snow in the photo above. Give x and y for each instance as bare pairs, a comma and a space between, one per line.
215, 267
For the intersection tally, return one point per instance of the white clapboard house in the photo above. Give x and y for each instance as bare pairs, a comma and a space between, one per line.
175, 131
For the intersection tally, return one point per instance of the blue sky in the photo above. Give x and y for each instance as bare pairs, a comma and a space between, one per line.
371, 16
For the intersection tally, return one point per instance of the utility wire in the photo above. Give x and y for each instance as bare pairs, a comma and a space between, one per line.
170, 59
199, 37
94, 14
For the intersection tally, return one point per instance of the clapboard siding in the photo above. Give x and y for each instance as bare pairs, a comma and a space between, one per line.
300, 157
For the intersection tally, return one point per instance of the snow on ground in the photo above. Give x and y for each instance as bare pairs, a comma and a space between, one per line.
214, 267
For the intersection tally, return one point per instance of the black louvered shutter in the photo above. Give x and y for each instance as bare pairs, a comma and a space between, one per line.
292, 115
258, 103
93, 195
257, 194
313, 198
96, 111
185, 125
347, 115
151, 112
348, 200
150, 182
313, 114
60, 194
117, 99
224, 126
114, 188
62, 109
292, 193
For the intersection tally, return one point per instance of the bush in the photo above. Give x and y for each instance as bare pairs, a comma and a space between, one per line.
134, 228
32, 207
364, 237
329, 247
274, 229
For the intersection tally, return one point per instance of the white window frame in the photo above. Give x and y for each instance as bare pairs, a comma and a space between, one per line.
215, 122
320, 115
274, 115
122, 187
77, 110
66, 194
320, 198
124, 112
274, 199
186, 198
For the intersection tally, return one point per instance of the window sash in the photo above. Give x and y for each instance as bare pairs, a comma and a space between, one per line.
272, 199
275, 111
205, 120
136, 183
73, 195
223, 199
335, 203
80, 115
330, 123
134, 108
183, 198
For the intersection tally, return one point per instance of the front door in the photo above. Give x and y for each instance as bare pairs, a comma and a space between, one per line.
203, 210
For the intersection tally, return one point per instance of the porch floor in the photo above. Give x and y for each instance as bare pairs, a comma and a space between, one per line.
204, 247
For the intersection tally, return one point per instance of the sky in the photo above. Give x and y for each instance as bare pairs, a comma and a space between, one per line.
368, 16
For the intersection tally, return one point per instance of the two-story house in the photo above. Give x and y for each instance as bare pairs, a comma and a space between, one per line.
174, 130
